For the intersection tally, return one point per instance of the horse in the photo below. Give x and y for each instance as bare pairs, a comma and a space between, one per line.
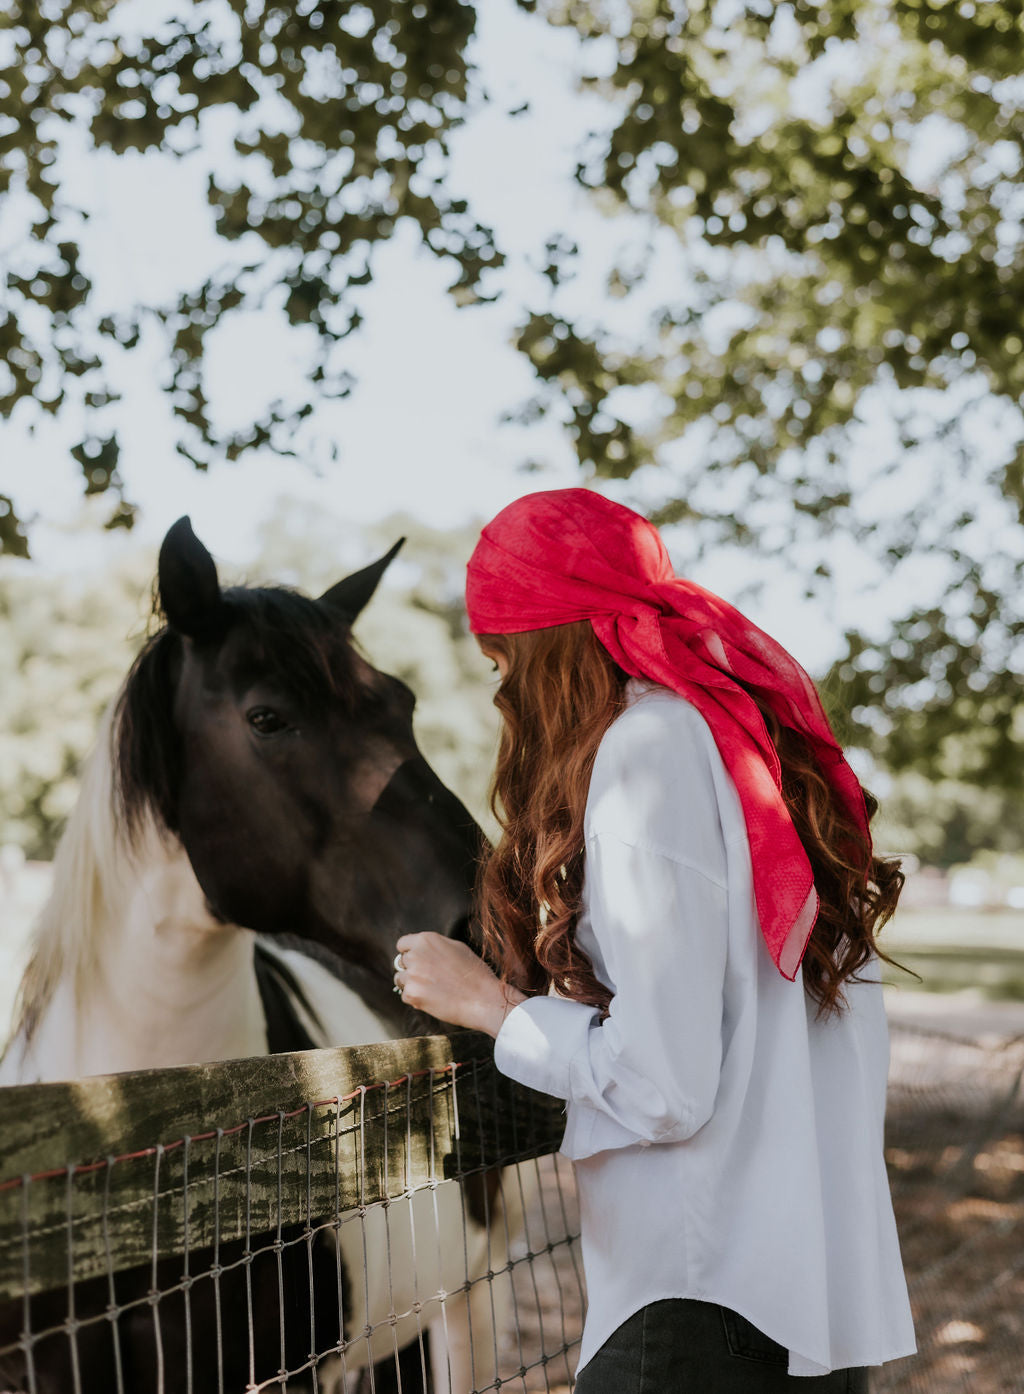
255, 829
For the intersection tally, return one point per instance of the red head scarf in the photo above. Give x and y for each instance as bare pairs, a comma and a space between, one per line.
570, 554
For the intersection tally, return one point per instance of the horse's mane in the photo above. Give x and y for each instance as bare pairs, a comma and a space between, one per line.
130, 781
88, 867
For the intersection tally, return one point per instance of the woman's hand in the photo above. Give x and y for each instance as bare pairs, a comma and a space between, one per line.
448, 980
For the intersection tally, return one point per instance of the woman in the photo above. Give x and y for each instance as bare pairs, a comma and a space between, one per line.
682, 913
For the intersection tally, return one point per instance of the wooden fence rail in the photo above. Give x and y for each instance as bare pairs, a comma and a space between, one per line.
106, 1173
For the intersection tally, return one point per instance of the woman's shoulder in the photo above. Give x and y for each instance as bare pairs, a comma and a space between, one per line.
657, 776
657, 725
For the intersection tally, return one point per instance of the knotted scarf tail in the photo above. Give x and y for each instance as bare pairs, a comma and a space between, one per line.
795, 943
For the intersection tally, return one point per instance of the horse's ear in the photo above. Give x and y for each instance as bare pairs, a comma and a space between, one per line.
187, 576
349, 597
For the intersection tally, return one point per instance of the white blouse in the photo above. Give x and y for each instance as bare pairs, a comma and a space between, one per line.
727, 1144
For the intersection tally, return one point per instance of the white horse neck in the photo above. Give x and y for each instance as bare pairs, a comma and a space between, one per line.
170, 986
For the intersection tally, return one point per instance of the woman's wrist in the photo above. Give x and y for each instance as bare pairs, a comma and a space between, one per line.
495, 1009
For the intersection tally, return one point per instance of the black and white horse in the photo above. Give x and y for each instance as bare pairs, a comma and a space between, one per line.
254, 831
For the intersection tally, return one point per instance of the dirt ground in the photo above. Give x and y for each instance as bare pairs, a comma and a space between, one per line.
955, 1151
955, 1148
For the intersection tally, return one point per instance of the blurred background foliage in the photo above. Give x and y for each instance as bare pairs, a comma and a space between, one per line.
831, 217
65, 644
945, 823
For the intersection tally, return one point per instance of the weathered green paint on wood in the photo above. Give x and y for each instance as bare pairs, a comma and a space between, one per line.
353, 1139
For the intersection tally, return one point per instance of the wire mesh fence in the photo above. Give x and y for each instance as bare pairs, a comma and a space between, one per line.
393, 1218
374, 1219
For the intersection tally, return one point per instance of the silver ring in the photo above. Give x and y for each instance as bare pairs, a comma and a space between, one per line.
399, 962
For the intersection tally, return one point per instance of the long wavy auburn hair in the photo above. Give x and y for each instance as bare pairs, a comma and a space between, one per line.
560, 693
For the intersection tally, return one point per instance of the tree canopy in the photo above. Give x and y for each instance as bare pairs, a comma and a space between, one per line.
825, 351
835, 238
335, 116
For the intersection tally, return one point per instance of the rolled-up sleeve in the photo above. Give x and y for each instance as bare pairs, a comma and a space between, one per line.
539, 1040
648, 1072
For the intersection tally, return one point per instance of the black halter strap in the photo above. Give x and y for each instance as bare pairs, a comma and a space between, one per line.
281, 996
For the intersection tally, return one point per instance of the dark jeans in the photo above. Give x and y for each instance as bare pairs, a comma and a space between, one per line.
685, 1347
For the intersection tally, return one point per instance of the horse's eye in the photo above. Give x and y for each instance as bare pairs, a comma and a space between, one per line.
265, 721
